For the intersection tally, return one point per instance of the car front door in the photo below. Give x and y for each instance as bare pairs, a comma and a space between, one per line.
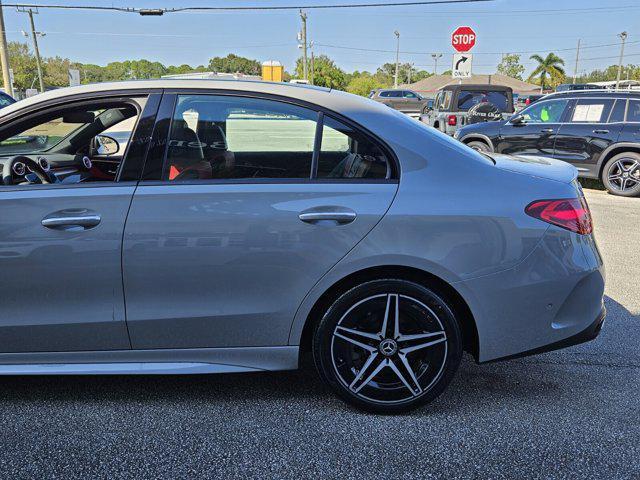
412, 102
60, 249
535, 133
232, 226
590, 126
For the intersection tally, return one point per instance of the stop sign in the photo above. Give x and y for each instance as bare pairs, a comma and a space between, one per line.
463, 39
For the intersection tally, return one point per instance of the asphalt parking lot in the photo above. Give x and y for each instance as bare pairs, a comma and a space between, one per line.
567, 414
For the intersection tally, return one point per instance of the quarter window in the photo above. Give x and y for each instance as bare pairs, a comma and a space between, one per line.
224, 137
346, 153
591, 110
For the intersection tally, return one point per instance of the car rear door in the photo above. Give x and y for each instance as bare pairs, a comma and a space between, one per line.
251, 202
590, 126
536, 134
60, 257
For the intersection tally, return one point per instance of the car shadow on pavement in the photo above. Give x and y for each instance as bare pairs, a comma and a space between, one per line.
527, 380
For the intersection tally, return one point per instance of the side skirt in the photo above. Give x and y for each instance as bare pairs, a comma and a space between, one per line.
151, 362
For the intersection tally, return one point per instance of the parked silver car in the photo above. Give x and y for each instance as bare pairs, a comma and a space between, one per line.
246, 223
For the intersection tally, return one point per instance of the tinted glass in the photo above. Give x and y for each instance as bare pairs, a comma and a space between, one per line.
221, 137
545, 112
633, 113
470, 98
617, 114
346, 153
395, 94
5, 100
591, 110
384, 94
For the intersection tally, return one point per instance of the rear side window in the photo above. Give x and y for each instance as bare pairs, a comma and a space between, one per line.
220, 137
384, 94
591, 110
633, 113
347, 153
617, 113
471, 98
394, 94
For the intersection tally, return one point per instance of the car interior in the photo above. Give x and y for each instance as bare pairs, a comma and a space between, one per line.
73, 144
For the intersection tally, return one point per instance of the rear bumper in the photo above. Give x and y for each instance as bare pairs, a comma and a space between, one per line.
586, 335
554, 298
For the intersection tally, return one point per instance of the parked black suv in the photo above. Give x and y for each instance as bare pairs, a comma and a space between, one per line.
597, 131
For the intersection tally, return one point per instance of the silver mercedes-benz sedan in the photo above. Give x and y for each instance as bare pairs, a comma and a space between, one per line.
180, 226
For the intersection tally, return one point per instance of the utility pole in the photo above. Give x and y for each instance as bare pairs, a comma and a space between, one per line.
313, 71
395, 80
575, 70
4, 56
303, 17
34, 35
435, 57
623, 36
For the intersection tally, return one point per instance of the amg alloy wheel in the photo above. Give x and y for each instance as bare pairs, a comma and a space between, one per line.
621, 174
388, 345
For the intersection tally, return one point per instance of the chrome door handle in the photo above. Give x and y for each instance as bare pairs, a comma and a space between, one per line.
547, 130
338, 216
71, 219
600, 131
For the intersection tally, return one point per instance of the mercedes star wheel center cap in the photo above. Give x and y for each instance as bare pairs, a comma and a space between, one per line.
388, 347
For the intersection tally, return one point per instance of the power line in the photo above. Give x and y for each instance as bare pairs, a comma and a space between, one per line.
475, 53
161, 11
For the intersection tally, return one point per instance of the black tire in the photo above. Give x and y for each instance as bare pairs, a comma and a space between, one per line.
478, 145
621, 174
413, 373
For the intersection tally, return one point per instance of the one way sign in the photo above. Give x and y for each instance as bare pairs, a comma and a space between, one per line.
461, 65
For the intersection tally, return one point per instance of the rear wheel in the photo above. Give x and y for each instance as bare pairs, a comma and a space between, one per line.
621, 174
388, 346
479, 146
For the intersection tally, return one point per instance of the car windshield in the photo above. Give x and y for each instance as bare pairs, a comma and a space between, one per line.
470, 98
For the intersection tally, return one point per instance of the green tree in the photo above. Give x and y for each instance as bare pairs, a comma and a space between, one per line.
547, 68
235, 64
23, 63
325, 72
511, 67
363, 84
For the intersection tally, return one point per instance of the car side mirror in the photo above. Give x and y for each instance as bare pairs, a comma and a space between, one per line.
105, 145
518, 120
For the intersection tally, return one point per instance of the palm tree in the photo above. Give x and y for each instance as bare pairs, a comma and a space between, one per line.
549, 66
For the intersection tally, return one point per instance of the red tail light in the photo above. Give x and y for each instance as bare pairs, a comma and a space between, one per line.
452, 120
570, 213
527, 101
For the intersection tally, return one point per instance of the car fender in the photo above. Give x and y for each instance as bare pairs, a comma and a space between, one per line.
614, 146
478, 136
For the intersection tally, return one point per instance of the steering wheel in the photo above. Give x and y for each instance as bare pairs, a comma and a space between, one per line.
18, 166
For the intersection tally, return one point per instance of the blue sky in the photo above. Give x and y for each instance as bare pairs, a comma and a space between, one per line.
502, 26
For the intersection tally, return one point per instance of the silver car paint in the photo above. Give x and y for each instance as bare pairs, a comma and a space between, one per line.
455, 215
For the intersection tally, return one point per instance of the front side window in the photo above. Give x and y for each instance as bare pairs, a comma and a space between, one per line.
410, 95
545, 112
76, 144
224, 137
347, 153
471, 98
591, 110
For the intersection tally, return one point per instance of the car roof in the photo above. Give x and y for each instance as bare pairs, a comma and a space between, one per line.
285, 89
476, 86
596, 93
